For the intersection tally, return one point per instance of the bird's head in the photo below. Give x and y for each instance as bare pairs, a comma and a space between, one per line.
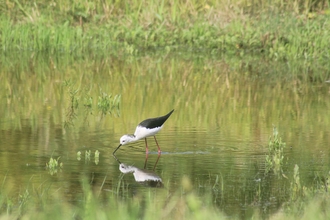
125, 139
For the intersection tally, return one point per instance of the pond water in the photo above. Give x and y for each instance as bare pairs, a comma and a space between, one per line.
225, 112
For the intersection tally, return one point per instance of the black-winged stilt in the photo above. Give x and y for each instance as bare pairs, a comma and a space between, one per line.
147, 128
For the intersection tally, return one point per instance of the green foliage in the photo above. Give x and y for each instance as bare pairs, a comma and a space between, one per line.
53, 165
243, 27
274, 158
107, 103
88, 156
97, 157
306, 202
297, 189
149, 204
79, 155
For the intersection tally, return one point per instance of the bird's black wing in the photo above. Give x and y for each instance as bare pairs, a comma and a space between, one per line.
155, 122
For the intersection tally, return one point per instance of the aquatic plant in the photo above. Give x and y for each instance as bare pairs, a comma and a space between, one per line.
53, 165
88, 154
275, 156
107, 103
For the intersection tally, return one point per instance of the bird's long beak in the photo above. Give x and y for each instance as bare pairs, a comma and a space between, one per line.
116, 149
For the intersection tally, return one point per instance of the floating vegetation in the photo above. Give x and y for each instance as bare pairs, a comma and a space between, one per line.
107, 104
79, 155
53, 165
88, 154
97, 157
274, 158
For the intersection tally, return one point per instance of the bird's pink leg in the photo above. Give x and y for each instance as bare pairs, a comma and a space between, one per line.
147, 151
159, 151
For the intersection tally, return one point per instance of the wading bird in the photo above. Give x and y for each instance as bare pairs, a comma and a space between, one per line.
147, 128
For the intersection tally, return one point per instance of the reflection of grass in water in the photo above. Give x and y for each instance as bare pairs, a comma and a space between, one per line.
208, 94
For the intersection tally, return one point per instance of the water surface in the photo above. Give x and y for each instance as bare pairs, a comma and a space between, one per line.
225, 111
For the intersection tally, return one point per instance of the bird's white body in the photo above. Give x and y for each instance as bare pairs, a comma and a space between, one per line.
140, 133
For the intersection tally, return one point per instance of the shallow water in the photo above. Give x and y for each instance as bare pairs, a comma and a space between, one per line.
217, 136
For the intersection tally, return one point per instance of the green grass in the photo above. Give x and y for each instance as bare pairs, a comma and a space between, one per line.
295, 30
38, 202
53, 165
274, 158
81, 101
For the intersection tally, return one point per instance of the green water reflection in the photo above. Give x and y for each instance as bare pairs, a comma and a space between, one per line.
225, 109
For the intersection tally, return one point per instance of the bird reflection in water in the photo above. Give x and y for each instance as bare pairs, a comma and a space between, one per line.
143, 176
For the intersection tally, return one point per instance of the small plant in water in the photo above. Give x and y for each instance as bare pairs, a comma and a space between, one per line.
322, 181
23, 200
296, 187
53, 165
79, 155
81, 97
97, 157
107, 103
274, 158
88, 154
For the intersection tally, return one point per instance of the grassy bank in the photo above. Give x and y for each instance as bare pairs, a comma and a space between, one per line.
296, 29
